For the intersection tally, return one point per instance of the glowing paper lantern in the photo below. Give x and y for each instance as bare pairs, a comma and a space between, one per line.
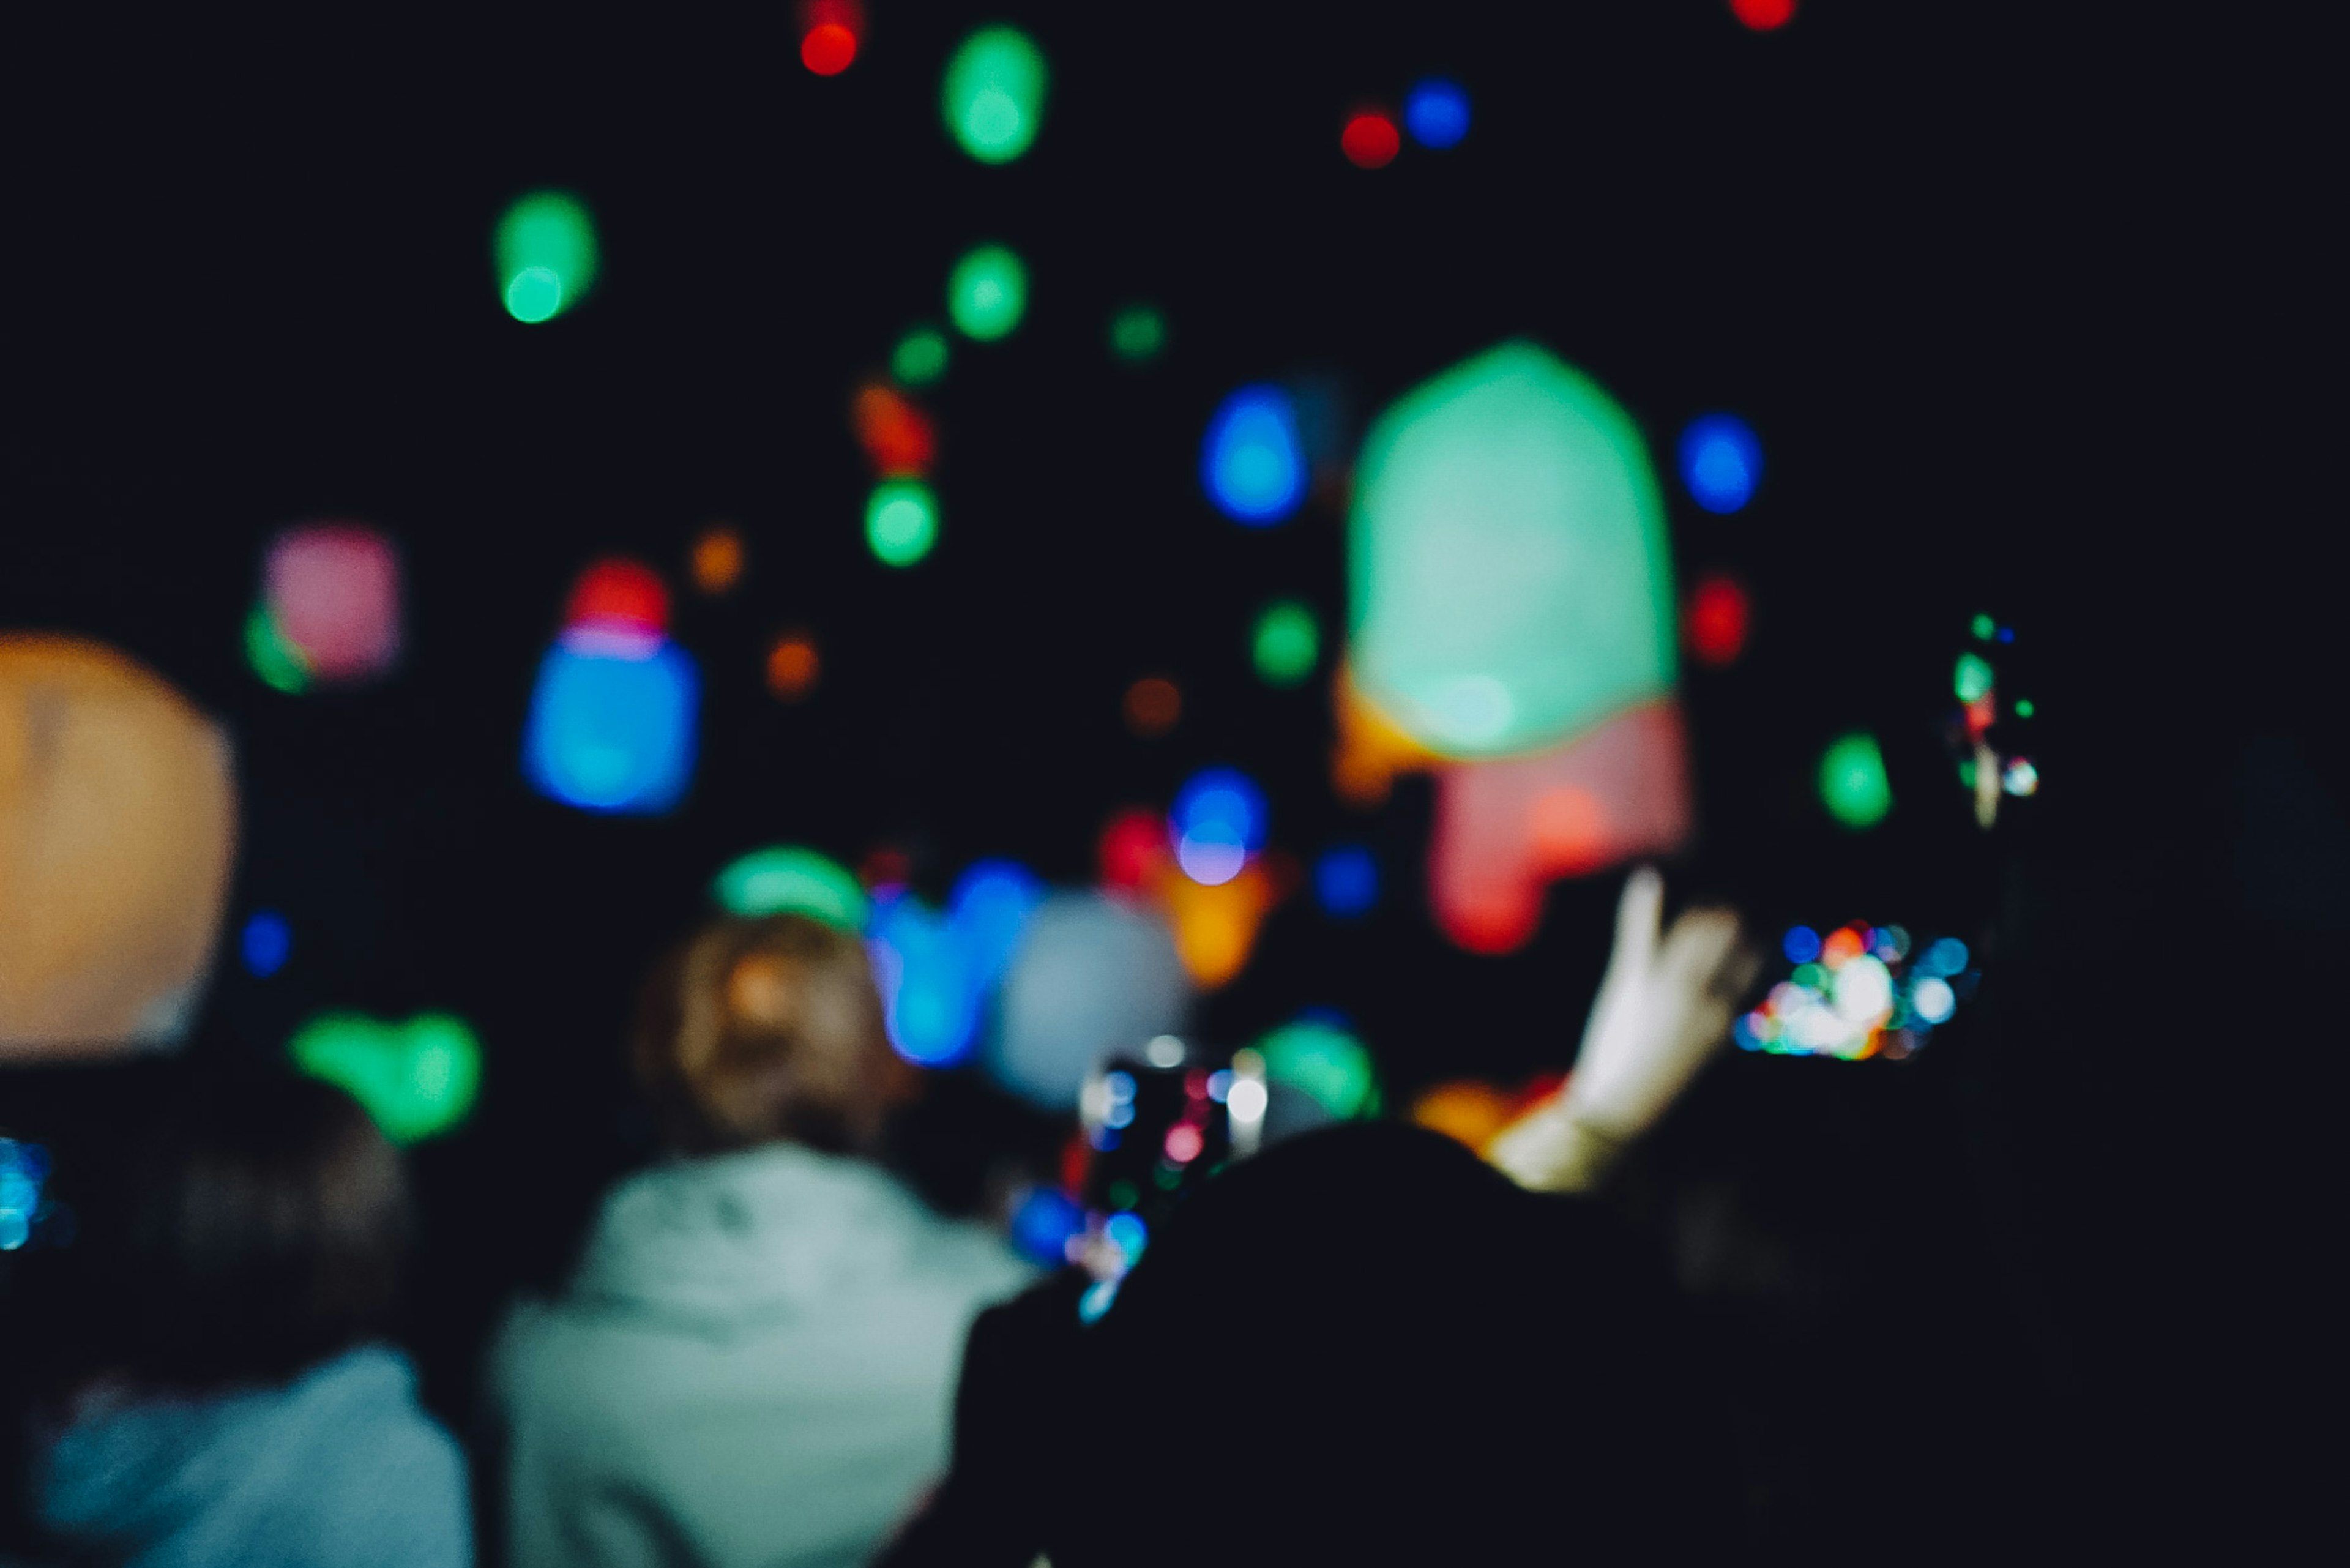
786, 880
612, 717
1853, 785
901, 521
1346, 881
1720, 462
1137, 333
118, 813
920, 358
1285, 643
416, 1079
1219, 820
993, 95
1093, 975
1326, 1063
1253, 460
332, 594
1436, 112
1369, 139
1511, 586
987, 292
546, 253
1717, 621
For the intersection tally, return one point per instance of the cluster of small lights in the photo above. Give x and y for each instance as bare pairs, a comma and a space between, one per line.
24, 1167
1436, 113
1986, 770
1856, 993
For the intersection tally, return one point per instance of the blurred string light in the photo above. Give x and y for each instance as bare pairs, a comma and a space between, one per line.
1346, 881
1763, 16
1436, 112
1285, 643
265, 943
1218, 821
788, 879
716, 561
1720, 462
898, 439
1137, 333
613, 714
1152, 706
1853, 785
829, 33
901, 521
545, 248
1858, 993
994, 94
921, 357
793, 666
1369, 139
416, 1079
1252, 460
24, 1171
331, 608
987, 292
1717, 621
1319, 1058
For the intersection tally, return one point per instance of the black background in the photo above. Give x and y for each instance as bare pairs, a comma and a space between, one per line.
2015, 295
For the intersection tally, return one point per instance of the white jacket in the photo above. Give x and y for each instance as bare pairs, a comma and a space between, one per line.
755, 1364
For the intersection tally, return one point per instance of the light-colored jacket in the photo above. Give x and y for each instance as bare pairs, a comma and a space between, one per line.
337, 1468
755, 1364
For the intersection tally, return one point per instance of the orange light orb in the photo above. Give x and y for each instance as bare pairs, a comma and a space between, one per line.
1153, 705
716, 562
793, 666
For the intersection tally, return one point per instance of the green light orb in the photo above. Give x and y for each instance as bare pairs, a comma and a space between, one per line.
1510, 585
1326, 1064
1853, 785
993, 95
545, 249
416, 1079
987, 292
1137, 333
1972, 679
276, 660
921, 357
1286, 643
901, 521
785, 879
2025, 708
1985, 629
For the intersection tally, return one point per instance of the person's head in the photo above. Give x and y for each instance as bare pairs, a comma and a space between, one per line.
754, 1030
234, 1228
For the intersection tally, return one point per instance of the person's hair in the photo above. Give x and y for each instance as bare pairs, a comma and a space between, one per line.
252, 1223
754, 1030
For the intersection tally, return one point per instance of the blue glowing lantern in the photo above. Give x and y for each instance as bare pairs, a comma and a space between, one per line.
928, 1000
1436, 112
1253, 460
611, 724
1219, 818
1720, 461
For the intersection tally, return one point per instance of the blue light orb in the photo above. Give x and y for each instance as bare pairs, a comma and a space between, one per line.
265, 943
1129, 1235
1219, 820
1043, 1224
1948, 956
1346, 881
929, 1004
1721, 462
611, 728
989, 909
1436, 112
1253, 460
1801, 944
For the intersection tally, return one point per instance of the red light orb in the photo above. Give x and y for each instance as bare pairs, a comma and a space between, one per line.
619, 595
1763, 16
1717, 618
898, 437
1370, 140
1132, 851
828, 49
